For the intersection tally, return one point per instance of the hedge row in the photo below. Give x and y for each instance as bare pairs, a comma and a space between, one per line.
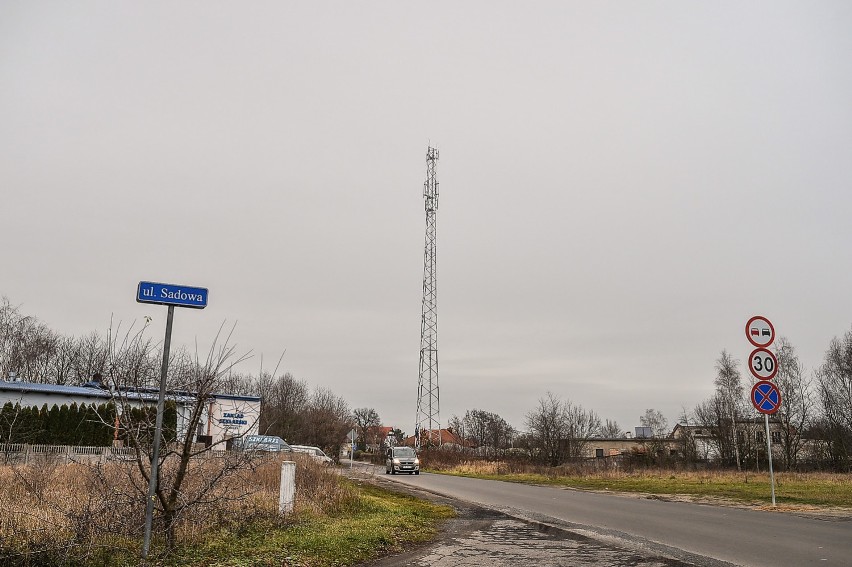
83, 425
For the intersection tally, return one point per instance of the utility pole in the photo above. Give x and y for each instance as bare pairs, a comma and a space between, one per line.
427, 430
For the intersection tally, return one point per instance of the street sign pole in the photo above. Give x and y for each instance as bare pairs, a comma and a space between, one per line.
172, 296
765, 396
158, 429
769, 452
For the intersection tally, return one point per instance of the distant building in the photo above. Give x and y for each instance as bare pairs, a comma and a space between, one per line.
379, 437
707, 446
224, 417
600, 447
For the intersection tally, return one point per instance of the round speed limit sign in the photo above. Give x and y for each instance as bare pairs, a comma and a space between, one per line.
763, 364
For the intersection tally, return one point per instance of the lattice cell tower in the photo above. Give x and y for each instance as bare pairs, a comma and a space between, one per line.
427, 430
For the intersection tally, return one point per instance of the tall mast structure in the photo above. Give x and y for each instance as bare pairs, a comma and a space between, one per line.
428, 426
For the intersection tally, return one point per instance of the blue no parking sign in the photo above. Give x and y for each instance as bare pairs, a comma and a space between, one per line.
766, 397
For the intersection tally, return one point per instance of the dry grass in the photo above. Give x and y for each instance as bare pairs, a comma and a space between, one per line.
89, 514
804, 491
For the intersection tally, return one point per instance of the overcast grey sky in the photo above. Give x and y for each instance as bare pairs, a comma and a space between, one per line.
623, 184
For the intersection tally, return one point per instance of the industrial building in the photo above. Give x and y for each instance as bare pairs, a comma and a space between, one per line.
224, 416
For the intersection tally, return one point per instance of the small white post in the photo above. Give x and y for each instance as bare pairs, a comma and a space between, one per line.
287, 495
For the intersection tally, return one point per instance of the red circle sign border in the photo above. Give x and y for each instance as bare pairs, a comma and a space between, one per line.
774, 360
772, 387
768, 322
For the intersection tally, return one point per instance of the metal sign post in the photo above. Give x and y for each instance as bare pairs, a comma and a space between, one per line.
170, 295
351, 448
769, 452
765, 396
158, 429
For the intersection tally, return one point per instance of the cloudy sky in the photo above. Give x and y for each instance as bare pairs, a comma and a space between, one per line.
623, 184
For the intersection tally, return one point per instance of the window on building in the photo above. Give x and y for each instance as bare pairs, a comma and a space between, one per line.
776, 436
599, 453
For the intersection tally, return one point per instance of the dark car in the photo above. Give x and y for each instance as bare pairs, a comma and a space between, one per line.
267, 443
400, 460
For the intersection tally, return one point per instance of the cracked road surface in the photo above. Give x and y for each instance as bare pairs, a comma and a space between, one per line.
693, 533
480, 536
508, 542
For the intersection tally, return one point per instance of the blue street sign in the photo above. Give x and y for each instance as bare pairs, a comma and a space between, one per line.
170, 294
765, 397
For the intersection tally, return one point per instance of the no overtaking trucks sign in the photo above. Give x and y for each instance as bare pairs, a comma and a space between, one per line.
760, 332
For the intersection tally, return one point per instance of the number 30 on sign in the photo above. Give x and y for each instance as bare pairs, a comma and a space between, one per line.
763, 364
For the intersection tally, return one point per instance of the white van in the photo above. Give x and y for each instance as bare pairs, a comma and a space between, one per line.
314, 452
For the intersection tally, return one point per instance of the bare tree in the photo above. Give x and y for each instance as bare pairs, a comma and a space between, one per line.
476, 424
834, 382
490, 431
499, 434
713, 414
285, 403
582, 425
366, 419
686, 442
263, 384
327, 421
456, 425
797, 408
656, 421
128, 371
546, 426
729, 399
27, 346
559, 429
63, 362
659, 426
611, 430
93, 352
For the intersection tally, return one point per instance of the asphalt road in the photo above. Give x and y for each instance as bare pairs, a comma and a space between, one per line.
696, 533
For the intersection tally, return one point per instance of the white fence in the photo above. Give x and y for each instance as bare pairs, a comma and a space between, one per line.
24, 453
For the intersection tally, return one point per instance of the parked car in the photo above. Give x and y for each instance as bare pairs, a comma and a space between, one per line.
315, 452
401, 459
269, 443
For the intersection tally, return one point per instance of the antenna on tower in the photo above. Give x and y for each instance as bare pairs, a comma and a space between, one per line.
427, 429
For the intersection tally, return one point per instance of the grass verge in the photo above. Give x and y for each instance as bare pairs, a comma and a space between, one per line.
818, 490
379, 522
76, 515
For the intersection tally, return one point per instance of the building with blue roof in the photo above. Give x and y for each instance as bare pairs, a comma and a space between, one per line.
224, 416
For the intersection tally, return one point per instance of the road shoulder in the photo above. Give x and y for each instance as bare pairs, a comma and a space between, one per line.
479, 535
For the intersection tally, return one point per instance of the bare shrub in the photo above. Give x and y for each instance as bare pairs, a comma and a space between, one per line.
83, 514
